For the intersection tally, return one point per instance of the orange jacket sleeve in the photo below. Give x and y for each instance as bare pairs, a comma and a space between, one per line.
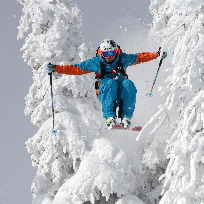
70, 70
145, 57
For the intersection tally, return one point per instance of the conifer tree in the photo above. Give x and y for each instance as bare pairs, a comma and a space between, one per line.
75, 165
1, 193
175, 134
52, 39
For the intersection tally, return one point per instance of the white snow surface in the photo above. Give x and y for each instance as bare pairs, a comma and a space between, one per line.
106, 167
82, 162
129, 199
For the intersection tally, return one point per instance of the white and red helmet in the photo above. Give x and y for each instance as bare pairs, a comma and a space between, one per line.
107, 45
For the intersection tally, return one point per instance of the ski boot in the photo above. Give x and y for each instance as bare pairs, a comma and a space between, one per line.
110, 122
126, 122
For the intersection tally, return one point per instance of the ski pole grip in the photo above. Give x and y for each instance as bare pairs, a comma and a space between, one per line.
159, 51
50, 73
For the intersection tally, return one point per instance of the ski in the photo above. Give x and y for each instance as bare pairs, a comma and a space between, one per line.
137, 128
120, 127
117, 127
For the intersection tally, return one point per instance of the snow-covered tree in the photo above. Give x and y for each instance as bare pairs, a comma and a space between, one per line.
1, 193
78, 165
75, 165
175, 135
52, 39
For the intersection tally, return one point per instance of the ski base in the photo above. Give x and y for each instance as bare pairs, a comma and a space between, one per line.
117, 127
120, 127
137, 128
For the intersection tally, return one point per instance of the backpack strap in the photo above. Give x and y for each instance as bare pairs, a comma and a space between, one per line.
103, 71
120, 68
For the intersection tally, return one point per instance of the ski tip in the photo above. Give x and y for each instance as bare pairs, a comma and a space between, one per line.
54, 131
117, 126
138, 128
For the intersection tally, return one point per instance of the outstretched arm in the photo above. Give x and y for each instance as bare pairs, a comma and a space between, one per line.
145, 57
84, 67
70, 70
133, 59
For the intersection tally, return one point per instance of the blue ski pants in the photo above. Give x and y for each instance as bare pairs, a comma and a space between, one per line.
110, 91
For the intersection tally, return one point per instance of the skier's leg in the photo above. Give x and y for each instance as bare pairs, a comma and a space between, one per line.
107, 96
128, 95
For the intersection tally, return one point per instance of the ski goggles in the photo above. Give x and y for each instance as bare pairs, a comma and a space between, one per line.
111, 53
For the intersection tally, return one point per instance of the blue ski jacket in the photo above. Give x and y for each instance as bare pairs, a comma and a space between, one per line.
93, 65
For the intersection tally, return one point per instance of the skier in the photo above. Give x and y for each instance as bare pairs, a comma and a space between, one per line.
114, 89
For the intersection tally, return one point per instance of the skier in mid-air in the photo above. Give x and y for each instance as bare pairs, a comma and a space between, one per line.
114, 89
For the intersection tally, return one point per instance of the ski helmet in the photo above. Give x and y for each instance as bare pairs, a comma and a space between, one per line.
107, 45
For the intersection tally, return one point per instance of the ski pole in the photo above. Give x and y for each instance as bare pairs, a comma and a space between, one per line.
53, 131
149, 94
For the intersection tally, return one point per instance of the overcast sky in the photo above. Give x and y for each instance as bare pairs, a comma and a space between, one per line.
101, 19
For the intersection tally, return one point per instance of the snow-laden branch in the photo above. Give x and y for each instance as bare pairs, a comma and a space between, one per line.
174, 136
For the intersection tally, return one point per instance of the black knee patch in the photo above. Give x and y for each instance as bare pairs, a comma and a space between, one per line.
120, 108
115, 106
